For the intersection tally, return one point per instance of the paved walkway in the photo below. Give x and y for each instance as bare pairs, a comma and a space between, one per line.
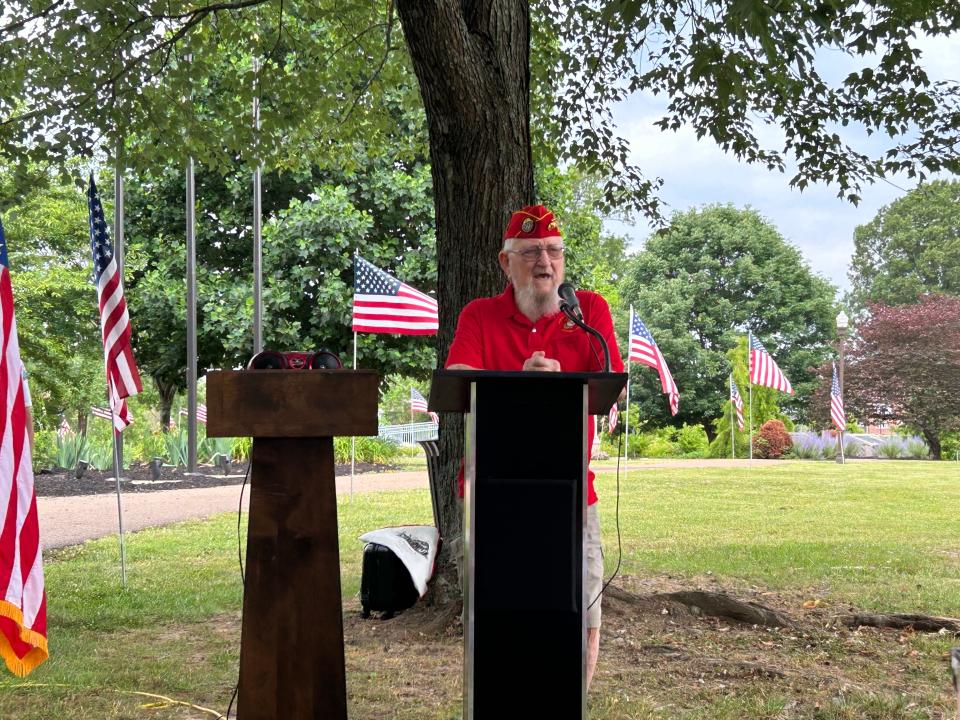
73, 520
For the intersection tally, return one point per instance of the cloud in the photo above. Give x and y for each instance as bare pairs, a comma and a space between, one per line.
696, 172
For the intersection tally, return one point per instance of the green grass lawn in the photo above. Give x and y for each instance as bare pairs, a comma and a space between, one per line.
884, 536
881, 535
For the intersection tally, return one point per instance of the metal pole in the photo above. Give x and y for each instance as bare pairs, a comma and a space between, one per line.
842, 332
750, 384
118, 242
626, 423
191, 325
118, 437
257, 228
733, 421
353, 440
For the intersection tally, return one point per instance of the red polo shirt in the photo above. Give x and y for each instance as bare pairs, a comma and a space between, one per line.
492, 334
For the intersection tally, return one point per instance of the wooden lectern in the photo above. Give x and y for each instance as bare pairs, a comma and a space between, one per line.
291, 646
525, 505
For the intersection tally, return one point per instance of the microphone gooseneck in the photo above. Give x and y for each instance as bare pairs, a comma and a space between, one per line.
570, 306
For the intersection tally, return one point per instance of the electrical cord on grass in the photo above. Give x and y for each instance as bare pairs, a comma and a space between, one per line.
616, 570
243, 576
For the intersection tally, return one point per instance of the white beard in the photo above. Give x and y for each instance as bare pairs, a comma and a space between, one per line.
534, 304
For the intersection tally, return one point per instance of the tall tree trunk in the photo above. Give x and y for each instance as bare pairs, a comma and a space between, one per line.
932, 436
472, 60
168, 391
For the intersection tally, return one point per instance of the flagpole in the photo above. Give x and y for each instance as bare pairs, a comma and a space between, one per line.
257, 223
353, 440
118, 243
750, 386
117, 437
191, 324
626, 426
733, 444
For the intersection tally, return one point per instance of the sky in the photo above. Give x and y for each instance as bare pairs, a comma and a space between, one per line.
696, 173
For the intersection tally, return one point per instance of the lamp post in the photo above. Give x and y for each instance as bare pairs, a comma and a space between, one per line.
842, 323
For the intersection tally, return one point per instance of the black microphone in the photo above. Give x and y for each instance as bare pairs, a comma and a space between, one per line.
568, 296
570, 306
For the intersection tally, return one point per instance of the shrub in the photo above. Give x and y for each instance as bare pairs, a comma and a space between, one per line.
772, 440
806, 446
915, 447
890, 449
70, 448
692, 440
368, 450
241, 447
852, 449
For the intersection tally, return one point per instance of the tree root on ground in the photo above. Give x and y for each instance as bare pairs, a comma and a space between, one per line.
919, 623
702, 603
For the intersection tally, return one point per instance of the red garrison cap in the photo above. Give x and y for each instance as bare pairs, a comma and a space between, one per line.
534, 222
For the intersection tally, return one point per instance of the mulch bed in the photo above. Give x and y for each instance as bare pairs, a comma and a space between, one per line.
137, 478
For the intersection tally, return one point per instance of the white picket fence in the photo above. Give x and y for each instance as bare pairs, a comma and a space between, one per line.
408, 434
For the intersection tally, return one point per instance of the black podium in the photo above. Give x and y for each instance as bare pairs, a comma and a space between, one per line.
525, 504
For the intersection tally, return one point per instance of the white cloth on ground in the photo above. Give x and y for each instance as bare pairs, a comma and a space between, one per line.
415, 545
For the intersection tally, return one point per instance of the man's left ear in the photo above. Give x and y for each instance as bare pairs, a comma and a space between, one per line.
504, 259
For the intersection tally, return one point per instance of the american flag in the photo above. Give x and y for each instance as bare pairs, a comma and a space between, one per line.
837, 414
23, 600
764, 370
101, 413
123, 380
383, 304
643, 349
737, 401
201, 414
613, 418
418, 403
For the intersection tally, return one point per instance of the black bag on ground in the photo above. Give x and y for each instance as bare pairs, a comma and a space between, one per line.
385, 583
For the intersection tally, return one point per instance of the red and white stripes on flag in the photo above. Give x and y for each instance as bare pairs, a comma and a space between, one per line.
643, 349
737, 401
23, 600
418, 403
201, 413
764, 370
837, 413
613, 418
101, 413
123, 379
383, 304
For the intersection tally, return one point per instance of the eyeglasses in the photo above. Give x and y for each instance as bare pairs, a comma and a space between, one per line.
532, 254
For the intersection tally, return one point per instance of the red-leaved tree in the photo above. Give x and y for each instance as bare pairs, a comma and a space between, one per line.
904, 365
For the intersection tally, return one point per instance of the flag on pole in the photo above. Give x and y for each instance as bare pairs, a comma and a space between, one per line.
101, 413
737, 401
764, 370
123, 379
383, 304
418, 403
837, 413
643, 349
23, 600
613, 418
201, 414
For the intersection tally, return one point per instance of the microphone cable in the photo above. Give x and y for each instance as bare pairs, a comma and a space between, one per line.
243, 576
616, 570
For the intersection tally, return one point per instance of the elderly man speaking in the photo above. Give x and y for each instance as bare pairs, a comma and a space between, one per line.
523, 328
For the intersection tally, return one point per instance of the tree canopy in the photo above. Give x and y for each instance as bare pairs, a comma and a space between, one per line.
904, 365
705, 280
911, 247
